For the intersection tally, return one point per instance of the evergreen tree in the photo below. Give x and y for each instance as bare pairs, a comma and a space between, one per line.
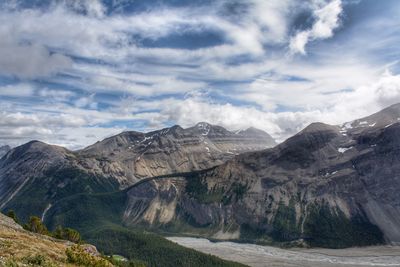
35, 225
13, 215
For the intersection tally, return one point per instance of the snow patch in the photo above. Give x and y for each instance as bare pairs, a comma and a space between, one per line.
45, 211
347, 126
344, 149
330, 173
389, 125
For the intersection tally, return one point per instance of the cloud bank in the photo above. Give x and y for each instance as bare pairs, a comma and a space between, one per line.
73, 72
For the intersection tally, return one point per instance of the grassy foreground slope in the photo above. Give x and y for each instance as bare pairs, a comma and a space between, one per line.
19, 247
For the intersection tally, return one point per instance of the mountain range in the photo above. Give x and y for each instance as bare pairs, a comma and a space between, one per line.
328, 185
48, 173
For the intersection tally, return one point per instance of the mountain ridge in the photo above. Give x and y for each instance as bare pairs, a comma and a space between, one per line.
335, 170
115, 162
328, 185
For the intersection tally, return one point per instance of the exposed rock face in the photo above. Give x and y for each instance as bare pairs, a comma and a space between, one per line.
329, 185
175, 150
25, 163
4, 150
36, 175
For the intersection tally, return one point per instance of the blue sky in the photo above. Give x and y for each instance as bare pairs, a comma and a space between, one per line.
73, 72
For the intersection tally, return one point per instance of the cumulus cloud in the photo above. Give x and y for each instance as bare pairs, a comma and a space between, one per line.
81, 65
27, 60
339, 108
326, 21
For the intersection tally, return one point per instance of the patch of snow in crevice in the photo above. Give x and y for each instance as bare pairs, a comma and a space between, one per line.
344, 149
347, 125
389, 125
330, 173
45, 211
372, 125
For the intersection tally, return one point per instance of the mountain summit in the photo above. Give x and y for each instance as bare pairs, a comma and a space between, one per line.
328, 185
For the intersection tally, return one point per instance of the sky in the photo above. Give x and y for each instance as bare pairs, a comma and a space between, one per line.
73, 72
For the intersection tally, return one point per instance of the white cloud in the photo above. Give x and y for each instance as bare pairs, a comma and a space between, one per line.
17, 90
248, 71
29, 60
327, 20
339, 108
55, 94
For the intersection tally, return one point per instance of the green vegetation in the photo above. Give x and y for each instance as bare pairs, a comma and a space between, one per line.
197, 188
250, 233
11, 263
57, 184
38, 260
149, 248
123, 262
35, 225
98, 219
325, 227
67, 234
285, 227
93, 210
13, 216
77, 255
239, 190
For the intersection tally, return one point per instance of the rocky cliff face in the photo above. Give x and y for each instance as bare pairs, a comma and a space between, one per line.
36, 175
332, 186
174, 150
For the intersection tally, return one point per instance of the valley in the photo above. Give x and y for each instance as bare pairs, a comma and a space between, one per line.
328, 186
263, 256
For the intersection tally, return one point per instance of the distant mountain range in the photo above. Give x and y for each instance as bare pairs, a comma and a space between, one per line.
329, 185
